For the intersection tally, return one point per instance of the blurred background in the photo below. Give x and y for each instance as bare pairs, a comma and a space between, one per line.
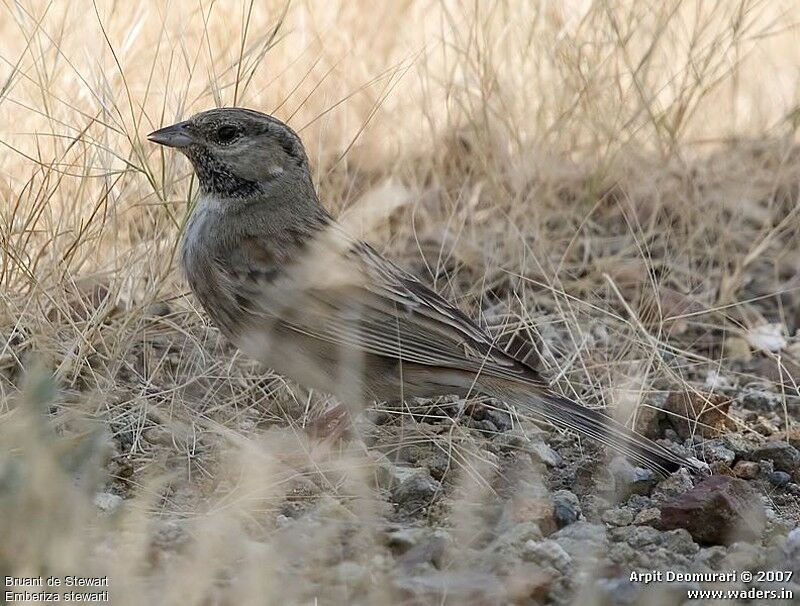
615, 181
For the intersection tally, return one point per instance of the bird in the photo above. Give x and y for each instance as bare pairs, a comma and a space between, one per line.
290, 287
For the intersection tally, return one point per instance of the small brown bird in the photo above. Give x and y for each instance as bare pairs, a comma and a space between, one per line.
289, 287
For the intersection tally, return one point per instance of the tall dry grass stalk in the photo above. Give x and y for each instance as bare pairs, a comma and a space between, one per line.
617, 177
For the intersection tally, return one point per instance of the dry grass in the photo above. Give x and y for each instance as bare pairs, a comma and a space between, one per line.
619, 178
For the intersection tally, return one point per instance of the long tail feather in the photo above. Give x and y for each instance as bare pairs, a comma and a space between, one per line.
568, 414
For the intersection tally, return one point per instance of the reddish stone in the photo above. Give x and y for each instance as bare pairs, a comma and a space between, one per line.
747, 470
719, 510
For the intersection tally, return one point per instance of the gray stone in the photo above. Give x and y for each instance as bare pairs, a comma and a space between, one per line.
543, 453
169, 535
649, 516
429, 550
618, 516
648, 548
547, 553
485, 426
760, 400
677, 484
738, 444
640, 537
410, 486
428, 454
513, 439
783, 455
567, 507
779, 478
500, 418
716, 451
629, 480
583, 541
514, 537
415, 487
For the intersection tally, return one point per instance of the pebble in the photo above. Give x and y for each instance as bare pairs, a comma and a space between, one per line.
582, 540
430, 549
500, 418
650, 516
715, 450
747, 470
170, 534
779, 478
719, 510
410, 486
738, 444
650, 548
676, 484
415, 487
514, 536
757, 399
543, 453
630, 480
547, 553
783, 455
619, 516
567, 507
677, 541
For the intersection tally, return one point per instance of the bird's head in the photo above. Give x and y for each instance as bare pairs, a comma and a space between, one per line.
237, 153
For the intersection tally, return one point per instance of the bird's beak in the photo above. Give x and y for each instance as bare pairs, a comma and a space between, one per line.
177, 135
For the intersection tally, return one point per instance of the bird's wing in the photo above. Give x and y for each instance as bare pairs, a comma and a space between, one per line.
342, 291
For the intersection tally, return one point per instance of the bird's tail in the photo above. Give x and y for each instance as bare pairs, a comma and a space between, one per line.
560, 410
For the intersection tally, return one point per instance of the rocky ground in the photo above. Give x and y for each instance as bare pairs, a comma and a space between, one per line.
203, 478
463, 502
611, 186
214, 469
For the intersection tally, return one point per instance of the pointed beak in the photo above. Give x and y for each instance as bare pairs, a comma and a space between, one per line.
177, 135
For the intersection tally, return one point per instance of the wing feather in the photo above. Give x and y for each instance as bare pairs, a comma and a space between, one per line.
342, 291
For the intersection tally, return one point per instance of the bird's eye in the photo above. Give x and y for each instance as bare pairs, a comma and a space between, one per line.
226, 133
